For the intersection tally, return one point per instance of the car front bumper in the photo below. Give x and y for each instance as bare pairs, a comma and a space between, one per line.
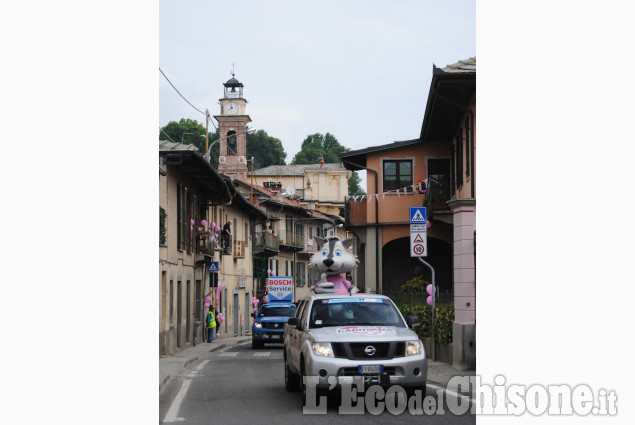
266, 335
411, 371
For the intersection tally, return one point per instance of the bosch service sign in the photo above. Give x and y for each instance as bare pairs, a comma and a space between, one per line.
280, 288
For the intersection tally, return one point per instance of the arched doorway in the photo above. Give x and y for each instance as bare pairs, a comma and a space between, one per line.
399, 267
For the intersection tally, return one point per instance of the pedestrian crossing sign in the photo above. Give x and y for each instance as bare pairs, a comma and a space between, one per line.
417, 214
213, 267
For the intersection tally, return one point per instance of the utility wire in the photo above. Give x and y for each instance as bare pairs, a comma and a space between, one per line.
206, 115
168, 136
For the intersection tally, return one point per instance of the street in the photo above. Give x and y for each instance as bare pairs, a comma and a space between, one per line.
238, 385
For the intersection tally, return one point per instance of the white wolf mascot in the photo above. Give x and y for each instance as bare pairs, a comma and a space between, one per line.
333, 259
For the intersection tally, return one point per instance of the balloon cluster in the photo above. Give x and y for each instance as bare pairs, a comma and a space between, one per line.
430, 290
218, 289
255, 301
208, 234
271, 273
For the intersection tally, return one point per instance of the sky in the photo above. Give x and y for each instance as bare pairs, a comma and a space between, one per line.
554, 154
359, 70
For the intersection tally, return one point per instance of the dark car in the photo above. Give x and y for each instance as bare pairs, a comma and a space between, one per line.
270, 321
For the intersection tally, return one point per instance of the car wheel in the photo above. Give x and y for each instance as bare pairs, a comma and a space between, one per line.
303, 383
256, 344
291, 380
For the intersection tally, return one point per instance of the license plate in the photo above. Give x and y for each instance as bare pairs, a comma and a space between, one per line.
368, 369
275, 336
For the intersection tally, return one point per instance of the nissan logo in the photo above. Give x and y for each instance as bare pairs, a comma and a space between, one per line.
275, 326
370, 350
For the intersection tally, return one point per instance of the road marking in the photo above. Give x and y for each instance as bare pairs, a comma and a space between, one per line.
263, 354
453, 393
229, 354
173, 411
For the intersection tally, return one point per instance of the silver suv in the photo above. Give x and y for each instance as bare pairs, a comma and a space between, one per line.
349, 336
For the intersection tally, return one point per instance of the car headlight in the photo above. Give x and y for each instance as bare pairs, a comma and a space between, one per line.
322, 349
257, 325
413, 348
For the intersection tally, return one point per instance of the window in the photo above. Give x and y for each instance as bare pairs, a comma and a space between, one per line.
300, 278
246, 235
439, 180
458, 143
231, 143
273, 266
171, 302
469, 141
289, 268
162, 230
198, 308
397, 174
182, 216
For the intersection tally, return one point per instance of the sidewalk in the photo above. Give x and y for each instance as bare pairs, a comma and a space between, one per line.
439, 374
172, 365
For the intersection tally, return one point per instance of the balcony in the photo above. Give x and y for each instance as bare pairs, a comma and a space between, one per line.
438, 194
204, 251
292, 241
355, 213
265, 244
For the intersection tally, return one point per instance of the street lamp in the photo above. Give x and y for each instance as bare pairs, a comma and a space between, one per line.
245, 131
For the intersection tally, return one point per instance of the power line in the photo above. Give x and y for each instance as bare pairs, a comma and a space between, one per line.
204, 113
167, 135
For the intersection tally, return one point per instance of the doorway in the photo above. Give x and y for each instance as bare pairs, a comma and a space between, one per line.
236, 313
178, 314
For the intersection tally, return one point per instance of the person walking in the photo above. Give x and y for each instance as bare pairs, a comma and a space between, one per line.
211, 323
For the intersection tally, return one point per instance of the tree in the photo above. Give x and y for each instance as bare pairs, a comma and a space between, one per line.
315, 146
191, 132
265, 149
354, 189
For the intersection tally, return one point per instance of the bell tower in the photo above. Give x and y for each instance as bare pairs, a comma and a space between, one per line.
232, 127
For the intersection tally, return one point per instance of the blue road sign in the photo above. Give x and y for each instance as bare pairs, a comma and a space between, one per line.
417, 214
213, 267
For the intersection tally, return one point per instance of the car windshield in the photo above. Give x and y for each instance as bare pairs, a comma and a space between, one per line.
279, 311
354, 311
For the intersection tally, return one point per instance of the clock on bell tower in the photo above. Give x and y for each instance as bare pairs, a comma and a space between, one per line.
232, 127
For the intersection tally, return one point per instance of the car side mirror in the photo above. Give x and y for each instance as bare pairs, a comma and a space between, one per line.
413, 321
253, 314
293, 322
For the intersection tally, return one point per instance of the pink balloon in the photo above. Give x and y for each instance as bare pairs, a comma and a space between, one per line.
269, 272
428, 224
429, 289
206, 305
208, 300
429, 300
217, 229
203, 223
213, 225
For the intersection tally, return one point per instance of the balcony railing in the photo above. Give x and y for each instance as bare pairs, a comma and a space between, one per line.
438, 193
293, 240
356, 212
266, 243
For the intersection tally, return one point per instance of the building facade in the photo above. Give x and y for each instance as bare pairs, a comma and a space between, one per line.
443, 157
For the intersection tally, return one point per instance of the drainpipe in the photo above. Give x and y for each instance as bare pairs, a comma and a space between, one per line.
379, 283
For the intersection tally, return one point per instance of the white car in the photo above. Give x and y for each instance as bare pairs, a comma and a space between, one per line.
349, 336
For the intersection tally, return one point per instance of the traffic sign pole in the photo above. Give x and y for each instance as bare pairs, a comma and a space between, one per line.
434, 296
